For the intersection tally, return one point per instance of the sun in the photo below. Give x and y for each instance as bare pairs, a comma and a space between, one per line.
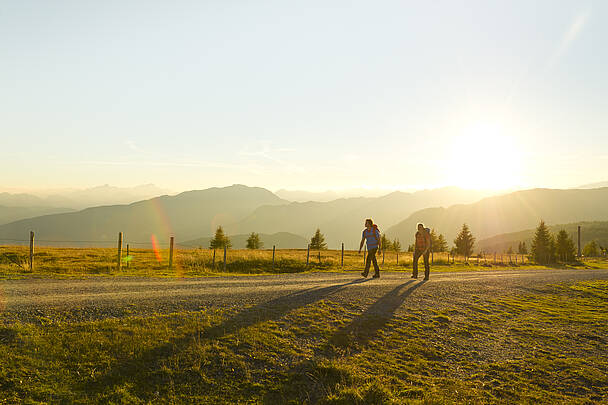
484, 156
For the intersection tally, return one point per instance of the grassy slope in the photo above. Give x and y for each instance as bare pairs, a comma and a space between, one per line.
73, 262
544, 347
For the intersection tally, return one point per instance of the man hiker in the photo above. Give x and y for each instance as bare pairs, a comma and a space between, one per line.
422, 248
371, 235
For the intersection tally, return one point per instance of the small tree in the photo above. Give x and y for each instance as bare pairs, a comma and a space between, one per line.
543, 246
385, 242
564, 247
410, 248
317, 242
522, 249
396, 245
441, 245
254, 242
220, 240
591, 249
464, 242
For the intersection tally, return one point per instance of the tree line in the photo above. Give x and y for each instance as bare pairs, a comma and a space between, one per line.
546, 248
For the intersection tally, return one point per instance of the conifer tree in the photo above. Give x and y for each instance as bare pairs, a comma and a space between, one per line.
564, 247
385, 243
220, 240
464, 242
543, 246
254, 242
317, 242
396, 245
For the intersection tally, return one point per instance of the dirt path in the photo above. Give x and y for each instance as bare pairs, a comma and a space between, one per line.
37, 299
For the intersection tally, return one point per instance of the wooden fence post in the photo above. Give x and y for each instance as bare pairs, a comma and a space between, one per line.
119, 261
224, 257
171, 241
307, 254
273, 249
397, 258
213, 263
319, 257
342, 256
31, 250
383, 250
128, 258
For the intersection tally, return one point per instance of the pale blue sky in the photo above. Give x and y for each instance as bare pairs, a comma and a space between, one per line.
307, 94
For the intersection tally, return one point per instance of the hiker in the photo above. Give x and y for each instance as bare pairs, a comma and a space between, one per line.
422, 248
371, 235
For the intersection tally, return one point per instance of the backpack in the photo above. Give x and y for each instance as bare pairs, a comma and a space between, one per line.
428, 230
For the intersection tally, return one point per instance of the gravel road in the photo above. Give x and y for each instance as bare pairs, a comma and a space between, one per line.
37, 300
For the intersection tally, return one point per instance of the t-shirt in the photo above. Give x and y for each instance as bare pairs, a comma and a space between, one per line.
372, 238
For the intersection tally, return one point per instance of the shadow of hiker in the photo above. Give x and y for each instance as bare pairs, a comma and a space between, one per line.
130, 369
308, 380
365, 326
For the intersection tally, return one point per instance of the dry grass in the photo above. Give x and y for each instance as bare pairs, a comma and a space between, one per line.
70, 262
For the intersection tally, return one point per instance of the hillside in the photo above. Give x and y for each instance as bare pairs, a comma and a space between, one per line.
342, 220
509, 213
282, 240
11, 214
187, 216
589, 231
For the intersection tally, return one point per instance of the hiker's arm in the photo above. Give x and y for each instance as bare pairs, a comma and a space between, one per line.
361, 244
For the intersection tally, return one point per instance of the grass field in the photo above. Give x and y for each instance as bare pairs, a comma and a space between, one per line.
76, 262
544, 346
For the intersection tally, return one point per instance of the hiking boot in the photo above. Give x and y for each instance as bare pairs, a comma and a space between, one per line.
376, 275
426, 278
364, 275
414, 277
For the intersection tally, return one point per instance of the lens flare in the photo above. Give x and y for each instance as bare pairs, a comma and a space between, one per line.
155, 248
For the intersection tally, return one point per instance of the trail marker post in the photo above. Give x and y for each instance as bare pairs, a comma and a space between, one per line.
307, 254
319, 257
171, 241
31, 250
383, 250
342, 256
273, 249
579, 241
119, 258
213, 262
224, 257
128, 258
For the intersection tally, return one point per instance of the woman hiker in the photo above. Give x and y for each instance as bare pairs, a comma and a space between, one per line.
371, 235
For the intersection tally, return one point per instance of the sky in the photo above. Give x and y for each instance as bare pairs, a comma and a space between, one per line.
310, 95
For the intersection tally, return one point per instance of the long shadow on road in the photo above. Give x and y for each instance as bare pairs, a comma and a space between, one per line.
130, 369
307, 380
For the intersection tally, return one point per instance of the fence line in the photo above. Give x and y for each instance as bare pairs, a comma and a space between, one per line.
336, 257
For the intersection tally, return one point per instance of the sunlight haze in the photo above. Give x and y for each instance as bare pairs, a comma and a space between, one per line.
303, 96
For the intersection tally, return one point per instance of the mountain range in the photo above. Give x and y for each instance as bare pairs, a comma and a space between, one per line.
509, 213
194, 216
188, 215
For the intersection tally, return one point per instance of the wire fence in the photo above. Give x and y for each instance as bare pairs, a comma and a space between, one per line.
166, 257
